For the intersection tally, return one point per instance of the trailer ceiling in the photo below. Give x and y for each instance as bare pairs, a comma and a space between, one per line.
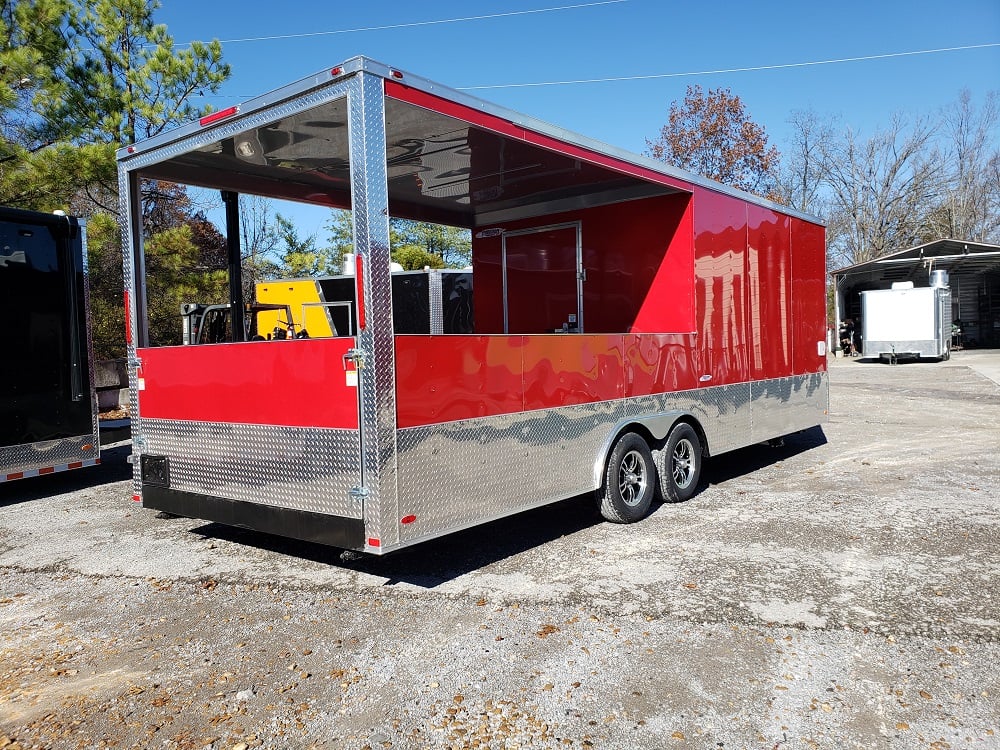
438, 168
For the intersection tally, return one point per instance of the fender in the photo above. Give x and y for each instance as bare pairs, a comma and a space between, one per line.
658, 425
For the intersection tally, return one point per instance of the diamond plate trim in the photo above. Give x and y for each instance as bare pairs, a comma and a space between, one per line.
301, 468
30, 456
463, 473
377, 381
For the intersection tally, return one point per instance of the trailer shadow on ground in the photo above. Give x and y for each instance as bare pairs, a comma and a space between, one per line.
114, 467
755, 457
437, 561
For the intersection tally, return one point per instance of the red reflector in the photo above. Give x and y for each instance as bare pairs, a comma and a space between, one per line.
359, 281
76, 465
16, 475
374, 543
136, 498
407, 519
128, 320
47, 470
222, 114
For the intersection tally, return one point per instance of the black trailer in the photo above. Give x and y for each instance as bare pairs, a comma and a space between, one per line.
48, 405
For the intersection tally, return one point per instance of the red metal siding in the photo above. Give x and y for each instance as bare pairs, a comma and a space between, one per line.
660, 363
638, 260
563, 370
720, 242
446, 378
808, 296
769, 293
296, 383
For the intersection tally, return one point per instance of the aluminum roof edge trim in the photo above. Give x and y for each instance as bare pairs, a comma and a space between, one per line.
360, 63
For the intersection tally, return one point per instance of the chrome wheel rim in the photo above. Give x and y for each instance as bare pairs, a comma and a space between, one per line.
633, 477
682, 463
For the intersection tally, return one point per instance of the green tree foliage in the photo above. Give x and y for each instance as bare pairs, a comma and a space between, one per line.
80, 78
175, 275
301, 257
107, 313
712, 135
414, 244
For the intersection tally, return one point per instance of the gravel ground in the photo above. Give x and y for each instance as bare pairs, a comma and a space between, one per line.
838, 592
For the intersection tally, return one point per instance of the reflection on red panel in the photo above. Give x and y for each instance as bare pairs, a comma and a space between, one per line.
720, 237
563, 370
296, 383
769, 293
446, 378
660, 363
808, 296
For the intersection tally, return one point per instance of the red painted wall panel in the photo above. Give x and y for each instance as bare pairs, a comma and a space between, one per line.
769, 293
568, 369
296, 383
639, 264
720, 241
660, 363
445, 378
808, 296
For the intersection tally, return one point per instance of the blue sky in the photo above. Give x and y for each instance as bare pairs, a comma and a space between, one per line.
530, 41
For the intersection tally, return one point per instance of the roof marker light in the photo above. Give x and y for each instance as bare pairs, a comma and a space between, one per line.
396, 74
222, 114
336, 71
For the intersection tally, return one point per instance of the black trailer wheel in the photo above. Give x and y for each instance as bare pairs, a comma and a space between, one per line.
681, 463
629, 480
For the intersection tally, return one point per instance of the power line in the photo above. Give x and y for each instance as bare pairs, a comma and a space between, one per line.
412, 24
726, 70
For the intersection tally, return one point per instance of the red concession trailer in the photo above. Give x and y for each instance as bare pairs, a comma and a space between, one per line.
629, 320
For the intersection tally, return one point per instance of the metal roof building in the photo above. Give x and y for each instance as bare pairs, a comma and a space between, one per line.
973, 273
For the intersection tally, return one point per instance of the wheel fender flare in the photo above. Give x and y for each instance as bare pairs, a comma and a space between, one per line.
658, 426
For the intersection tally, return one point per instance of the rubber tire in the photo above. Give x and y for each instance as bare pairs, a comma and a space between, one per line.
629, 452
682, 444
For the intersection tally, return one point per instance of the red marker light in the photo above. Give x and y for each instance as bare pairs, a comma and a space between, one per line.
374, 543
222, 114
396, 74
136, 498
407, 519
359, 281
336, 71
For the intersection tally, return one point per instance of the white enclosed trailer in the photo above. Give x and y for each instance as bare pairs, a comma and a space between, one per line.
907, 322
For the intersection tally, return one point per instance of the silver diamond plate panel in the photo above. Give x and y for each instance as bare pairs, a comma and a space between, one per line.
15, 458
785, 405
435, 302
463, 473
370, 206
300, 468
